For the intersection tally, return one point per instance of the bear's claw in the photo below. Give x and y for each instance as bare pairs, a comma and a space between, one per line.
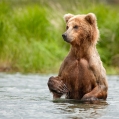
57, 86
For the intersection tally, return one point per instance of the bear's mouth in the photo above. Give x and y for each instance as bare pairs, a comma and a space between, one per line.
66, 40
65, 37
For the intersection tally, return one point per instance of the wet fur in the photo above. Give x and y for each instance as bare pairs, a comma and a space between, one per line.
82, 71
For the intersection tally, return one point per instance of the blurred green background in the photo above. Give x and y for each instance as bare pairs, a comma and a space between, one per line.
30, 33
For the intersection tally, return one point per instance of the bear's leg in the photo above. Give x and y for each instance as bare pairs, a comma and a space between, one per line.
99, 92
57, 87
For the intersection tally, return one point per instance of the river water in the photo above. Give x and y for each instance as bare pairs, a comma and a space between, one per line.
28, 97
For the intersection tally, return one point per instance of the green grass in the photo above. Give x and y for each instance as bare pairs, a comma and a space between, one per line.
30, 34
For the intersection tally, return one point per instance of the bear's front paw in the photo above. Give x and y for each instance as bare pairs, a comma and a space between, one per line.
57, 86
89, 99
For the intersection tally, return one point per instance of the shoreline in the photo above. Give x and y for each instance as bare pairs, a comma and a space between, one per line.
7, 69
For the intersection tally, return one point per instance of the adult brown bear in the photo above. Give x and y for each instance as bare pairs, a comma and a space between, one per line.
81, 75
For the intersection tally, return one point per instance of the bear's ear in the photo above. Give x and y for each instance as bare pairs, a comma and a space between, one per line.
91, 18
67, 17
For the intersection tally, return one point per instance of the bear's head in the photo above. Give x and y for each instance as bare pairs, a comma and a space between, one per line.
81, 29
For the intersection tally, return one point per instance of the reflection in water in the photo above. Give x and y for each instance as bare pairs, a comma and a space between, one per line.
78, 110
28, 97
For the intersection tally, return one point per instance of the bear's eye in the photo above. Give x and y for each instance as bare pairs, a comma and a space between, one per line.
67, 27
76, 27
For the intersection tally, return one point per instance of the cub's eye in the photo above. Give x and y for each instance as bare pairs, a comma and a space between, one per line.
76, 27
67, 27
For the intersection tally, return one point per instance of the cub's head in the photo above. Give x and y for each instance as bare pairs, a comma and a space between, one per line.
81, 29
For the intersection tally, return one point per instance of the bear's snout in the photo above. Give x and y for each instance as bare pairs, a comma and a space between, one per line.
65, 37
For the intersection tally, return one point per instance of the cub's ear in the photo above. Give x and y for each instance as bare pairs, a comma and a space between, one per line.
67, 17
91, 18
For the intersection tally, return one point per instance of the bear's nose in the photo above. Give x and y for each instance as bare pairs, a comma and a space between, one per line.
64, 36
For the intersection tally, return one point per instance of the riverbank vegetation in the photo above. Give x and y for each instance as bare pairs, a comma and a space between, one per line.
30, 34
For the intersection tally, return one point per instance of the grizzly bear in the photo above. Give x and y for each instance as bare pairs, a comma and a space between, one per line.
81, 75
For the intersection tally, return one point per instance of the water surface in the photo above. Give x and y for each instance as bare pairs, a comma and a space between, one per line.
27, 97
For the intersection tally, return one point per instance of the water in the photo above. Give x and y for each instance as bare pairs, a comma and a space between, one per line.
27, 97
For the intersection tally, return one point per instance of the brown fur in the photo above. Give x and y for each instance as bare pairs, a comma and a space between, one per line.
81, 75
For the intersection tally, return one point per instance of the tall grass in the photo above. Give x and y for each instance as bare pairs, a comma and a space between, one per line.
30, 34
28, 40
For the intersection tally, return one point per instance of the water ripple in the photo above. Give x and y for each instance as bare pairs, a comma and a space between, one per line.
27, 97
